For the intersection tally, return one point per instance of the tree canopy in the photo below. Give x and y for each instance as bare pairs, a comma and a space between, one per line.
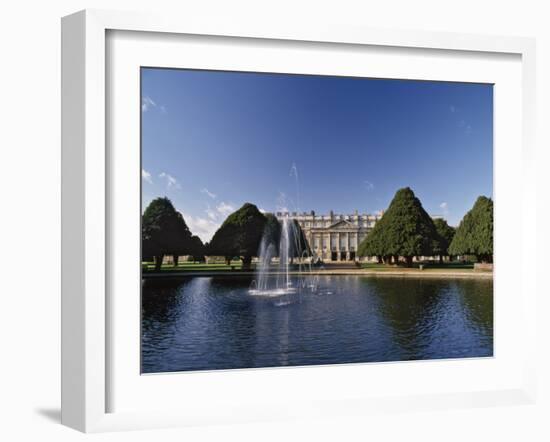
272, 232
445, 234
299, 246
239, 235
197, 249
405, 230
373, 244
474, 235
164, 232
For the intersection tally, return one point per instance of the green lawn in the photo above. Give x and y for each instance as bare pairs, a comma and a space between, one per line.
237, 266
426, 266
192, 266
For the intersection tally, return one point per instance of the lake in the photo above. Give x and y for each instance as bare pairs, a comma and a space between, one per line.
214, 322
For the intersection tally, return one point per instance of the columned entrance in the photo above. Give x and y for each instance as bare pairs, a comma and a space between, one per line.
333, 238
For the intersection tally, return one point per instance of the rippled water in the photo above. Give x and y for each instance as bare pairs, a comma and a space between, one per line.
205, 323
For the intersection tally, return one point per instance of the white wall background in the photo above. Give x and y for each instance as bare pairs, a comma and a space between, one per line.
30, 216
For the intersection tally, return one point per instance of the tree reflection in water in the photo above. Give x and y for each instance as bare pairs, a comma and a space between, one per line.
204, 323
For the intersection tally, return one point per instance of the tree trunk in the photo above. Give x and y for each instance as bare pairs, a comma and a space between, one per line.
247, 260
409, 260
379, 258
176, 260
440, 259
396, 259
158, 262
228, 260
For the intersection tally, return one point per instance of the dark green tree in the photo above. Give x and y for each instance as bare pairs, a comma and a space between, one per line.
239, 235
372, 245
299, 246
272, 232
197, 249
404, 230
445, 234
474, 235
163, 232
297, 241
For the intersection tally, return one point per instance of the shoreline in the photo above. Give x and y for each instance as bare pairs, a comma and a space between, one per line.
334, 272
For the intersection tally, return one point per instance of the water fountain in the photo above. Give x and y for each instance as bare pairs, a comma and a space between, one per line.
284, 240
276, 280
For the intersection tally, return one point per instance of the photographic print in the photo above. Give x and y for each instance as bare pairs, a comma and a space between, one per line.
299, 220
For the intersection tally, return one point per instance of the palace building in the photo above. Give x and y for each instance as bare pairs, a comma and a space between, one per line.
333, 237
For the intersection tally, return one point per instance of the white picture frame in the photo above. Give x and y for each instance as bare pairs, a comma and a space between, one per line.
86, 207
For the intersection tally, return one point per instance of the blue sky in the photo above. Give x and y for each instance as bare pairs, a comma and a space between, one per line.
212, 141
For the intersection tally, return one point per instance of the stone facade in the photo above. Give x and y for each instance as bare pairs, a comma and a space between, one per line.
334, 237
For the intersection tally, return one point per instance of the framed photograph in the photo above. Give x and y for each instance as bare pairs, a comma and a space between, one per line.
263, 222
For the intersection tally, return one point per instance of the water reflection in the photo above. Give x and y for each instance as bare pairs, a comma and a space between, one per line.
214, 323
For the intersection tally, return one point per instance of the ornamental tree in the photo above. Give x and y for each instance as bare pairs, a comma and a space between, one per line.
299, 246
445, 234
404, 230
163, 232
272, 233
239, 235
197, 248
372, 245
474, 235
